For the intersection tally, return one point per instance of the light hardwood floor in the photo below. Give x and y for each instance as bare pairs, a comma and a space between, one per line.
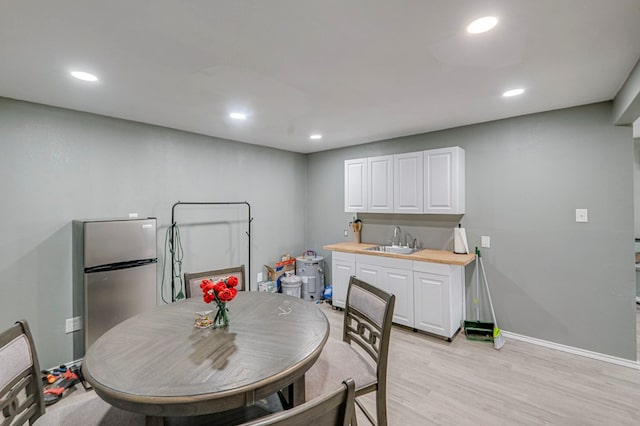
433, 382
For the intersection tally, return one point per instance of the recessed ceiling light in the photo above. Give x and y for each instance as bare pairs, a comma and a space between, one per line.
315, 136
482, 25
238, 116
513, 92
84, 76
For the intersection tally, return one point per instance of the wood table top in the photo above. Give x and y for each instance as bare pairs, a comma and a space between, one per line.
157, 363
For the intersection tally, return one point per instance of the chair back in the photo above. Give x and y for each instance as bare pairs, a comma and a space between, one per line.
21, 397
367, 321
192, 280
332, 409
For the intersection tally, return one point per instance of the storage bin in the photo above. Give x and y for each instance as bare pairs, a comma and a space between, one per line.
291, 285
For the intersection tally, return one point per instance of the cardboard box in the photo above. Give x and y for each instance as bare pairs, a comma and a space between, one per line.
280, 268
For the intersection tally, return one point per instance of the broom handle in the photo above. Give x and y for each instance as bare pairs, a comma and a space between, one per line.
486, 285
477, 300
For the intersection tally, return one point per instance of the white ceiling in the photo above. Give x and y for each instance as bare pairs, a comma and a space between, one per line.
354, 70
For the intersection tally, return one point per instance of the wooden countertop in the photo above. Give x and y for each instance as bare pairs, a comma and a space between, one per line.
425, 255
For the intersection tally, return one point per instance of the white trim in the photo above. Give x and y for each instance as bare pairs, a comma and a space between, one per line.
576, 351
76, 363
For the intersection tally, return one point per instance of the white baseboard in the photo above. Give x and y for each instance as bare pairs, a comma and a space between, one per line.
69, 364
576, 351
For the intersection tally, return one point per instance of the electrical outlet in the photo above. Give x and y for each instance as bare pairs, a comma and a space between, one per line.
486, 242
259, 277
72, 324
582, 215
133, 215
346, 233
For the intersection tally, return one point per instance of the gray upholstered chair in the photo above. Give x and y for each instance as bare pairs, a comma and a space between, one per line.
331, 409
367, 325
21, 397
192, 280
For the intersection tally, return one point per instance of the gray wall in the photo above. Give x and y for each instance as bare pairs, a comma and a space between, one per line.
636, 198
58, 165
551, 278
636, 185
626, 105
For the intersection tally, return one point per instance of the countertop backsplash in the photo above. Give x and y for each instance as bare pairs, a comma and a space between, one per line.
430, 231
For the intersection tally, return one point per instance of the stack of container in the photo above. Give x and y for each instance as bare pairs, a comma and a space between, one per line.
310, 268
291, 285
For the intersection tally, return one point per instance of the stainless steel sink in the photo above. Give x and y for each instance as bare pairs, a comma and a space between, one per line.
393, 249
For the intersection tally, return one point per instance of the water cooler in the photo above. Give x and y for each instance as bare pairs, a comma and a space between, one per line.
310, 268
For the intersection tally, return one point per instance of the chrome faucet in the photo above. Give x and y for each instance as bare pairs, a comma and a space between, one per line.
408, 240
397, 236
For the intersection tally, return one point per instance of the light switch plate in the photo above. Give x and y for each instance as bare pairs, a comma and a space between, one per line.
485, 242
72, 324
582, 215
259, 277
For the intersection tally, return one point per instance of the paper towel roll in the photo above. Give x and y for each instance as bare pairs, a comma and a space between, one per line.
460, 245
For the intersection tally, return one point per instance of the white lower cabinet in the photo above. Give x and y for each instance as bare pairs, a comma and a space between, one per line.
343, 266
429, 296
369, 273
400, 283
393, 276
438, 298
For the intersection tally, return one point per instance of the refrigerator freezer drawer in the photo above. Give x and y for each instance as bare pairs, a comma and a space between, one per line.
114, 296
110, 242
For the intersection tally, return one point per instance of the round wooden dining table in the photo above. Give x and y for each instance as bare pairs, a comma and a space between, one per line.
158, 364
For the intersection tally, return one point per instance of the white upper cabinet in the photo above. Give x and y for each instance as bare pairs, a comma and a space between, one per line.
429, 181
380, 182
444, 181
355, 185
408, 183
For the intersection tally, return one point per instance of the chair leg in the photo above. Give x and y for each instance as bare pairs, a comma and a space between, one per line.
365, 412
286, 400
381, 409
381, 406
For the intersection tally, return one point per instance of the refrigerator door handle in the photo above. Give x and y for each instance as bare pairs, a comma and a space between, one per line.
120, 265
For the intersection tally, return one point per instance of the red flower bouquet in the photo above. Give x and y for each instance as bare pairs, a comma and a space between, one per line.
220, 292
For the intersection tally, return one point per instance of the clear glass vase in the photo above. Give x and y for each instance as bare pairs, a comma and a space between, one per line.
221, 319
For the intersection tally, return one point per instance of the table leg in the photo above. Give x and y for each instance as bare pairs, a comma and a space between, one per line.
153, 421
298, 393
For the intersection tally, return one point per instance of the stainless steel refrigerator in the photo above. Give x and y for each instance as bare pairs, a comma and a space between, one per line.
114, 274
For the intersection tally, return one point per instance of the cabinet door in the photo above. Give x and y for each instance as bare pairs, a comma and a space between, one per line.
432, 303
380, 195
408, 183
444, 186
371, 274
341, 271
400, 283
355, 185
